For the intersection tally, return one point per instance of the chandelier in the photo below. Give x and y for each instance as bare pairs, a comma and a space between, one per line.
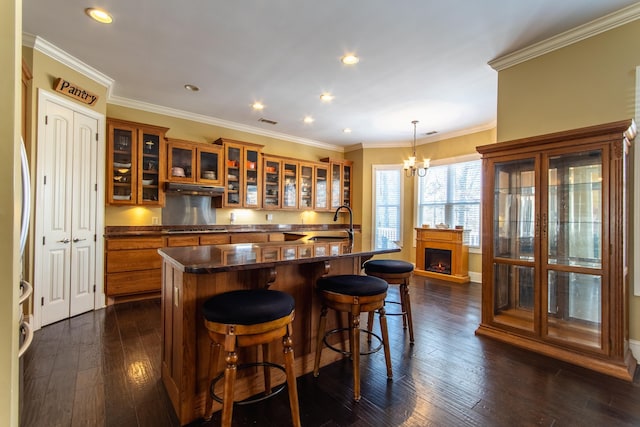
410, 166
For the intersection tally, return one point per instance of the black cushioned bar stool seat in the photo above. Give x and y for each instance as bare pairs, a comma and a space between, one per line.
246, 318
394, 272
353, 294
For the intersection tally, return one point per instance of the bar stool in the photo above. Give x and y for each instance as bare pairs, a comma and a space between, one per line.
394, 272
246, 318
353, 294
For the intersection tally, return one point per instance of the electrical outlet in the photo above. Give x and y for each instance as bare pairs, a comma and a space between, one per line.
155, 220
269, 217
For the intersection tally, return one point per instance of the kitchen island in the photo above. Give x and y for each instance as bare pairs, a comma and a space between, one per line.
190, 275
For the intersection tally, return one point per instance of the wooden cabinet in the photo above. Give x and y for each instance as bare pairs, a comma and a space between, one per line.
306, 187
194, 162
555, 242
280, 183
243, 178
340, 173
440, 254
133, 266
135, 161
321, 187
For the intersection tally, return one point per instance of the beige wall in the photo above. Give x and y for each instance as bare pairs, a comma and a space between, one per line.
586, 83
10, 90
442, 149
189, 130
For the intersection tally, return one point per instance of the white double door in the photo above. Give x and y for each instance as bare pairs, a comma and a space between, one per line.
65, 264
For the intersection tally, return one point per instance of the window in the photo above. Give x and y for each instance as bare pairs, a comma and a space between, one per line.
450, 194
387, 203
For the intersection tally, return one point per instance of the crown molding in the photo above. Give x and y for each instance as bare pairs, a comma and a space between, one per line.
200, 118
590, 29
43, 46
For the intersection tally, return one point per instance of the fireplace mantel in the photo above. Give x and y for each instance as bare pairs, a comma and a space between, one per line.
443, 239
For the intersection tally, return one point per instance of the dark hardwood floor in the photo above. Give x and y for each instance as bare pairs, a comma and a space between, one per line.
103, 369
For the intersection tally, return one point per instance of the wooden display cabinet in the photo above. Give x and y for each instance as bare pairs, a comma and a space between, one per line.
305, 184
555, 246
340, 173
271, 199
194, 162
321, 185
243, 180
135, 160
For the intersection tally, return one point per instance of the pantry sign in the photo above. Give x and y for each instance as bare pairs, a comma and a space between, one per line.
74, 91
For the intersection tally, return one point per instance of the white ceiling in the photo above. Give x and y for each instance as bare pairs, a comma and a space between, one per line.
420, 60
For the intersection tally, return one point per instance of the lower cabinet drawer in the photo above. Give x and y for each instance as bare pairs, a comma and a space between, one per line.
133, 260
133, 282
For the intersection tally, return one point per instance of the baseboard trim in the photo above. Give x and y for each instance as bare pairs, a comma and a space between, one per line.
634, 346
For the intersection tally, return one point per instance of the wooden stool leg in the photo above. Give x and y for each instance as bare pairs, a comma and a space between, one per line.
266, 370
287, 345
406, 306
214, 353
369, 325
354, 343
319, 339
229, 382
385, 340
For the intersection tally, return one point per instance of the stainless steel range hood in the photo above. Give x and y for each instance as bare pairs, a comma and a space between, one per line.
193, 189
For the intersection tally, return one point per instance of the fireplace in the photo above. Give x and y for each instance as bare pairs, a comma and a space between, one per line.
440, 254
437, 260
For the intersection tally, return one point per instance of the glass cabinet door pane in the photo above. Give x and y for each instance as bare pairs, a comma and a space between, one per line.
575, 307
346, 190
251, 179
271, 184
306, 187
514, 295
209, 165
322, 189
575, 210
514, 210
181, 162
123, 164
336, 186
149, 167
290, 185
234, 157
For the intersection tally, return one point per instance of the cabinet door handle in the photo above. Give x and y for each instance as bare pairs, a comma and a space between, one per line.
76, 240
544, 225
537, 226
65, 241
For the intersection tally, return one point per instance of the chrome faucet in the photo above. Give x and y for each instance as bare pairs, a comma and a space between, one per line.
335, 218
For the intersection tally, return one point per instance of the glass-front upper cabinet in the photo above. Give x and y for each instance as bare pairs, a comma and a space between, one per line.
306, 186
289, 184
321, 182
514, 234
347, 166
209, 164
135, 161
336, 185
271, 183
182, 161
242, 170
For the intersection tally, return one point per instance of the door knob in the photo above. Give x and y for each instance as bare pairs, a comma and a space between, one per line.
76, 240
65, 240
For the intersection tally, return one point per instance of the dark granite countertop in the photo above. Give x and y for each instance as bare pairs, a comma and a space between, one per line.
313, 247
161, 230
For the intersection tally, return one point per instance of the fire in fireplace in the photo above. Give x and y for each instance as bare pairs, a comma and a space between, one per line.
437, 260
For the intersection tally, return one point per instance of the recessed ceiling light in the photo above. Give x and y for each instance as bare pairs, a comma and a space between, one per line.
258, 106
326, 97
192, 88
350, 59
99, 15
346, 130
308, 119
